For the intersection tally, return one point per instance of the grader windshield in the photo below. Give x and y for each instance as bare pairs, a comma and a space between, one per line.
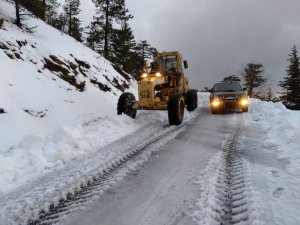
168, 63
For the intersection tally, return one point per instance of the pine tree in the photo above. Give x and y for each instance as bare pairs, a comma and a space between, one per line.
27, 8
51, 12
34, 6
95, 35
253, 77
123, 44
142, 52
72, 10
291, 82
76, 29
143, 49
18, 16
231, 78
108, 13
59, 22
43, 11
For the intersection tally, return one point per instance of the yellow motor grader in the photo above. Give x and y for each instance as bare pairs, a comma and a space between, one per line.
164, 87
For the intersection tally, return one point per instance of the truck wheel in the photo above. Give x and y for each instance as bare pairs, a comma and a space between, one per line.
125, 103
190, 100
214, 111
245, 109
195, 93
176, 109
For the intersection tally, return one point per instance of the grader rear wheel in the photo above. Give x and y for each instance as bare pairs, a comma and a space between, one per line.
125, 103
191, 100
176, 109
195, 93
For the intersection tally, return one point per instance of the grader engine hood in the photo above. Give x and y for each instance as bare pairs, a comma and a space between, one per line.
146, 90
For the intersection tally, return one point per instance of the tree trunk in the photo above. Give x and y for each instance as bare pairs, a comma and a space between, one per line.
43, 14
106, 30
250, 92
18, 19
70, 21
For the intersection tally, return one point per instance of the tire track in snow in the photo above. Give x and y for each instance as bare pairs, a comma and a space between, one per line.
98, 185
234, 188
94, 186
228, 195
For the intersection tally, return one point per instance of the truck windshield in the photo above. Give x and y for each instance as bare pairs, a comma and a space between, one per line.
227, 87
168, 63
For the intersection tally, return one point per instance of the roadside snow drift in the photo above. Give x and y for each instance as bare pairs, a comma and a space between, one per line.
282, 129
52, 85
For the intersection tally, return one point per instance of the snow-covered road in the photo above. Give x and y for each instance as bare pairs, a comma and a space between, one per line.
171, 186
212, 169
163, 189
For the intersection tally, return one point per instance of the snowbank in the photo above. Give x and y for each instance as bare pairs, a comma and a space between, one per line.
38, 154
282, 127
49, 80
48, 117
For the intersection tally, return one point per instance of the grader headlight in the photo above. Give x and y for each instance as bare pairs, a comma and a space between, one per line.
144, 75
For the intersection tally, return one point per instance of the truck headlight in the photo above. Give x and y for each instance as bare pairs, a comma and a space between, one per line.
244, 102
158, 74
215, 103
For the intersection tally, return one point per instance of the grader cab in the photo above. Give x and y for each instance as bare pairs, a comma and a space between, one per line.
163, 87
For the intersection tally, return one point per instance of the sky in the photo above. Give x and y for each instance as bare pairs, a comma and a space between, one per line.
217, 37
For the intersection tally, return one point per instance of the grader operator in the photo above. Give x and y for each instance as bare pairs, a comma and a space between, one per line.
164, 87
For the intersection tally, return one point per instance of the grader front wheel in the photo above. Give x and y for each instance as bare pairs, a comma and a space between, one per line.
125, 103
176, 109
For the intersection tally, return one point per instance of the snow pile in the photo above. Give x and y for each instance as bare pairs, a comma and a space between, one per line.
203, 99
276, 167
57, 100
48, 79
282, 127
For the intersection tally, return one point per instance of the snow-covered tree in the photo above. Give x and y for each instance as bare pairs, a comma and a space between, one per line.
95, 35
291, 82
231, 78
28, 8
51, 11
123, 44
144, 51
72, 10
109, 12
253, 77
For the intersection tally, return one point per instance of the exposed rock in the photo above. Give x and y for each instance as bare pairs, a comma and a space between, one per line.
3, 46
125, 75
50, 65
18, 56
10, 55
73, 66
102, 87
57, 60
122, 87
64, 73
1, 22
39, 114
83, 64
22, 43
